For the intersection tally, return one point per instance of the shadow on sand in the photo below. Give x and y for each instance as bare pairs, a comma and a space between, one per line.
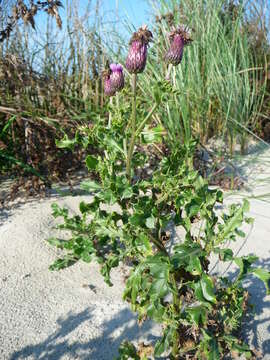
104, 347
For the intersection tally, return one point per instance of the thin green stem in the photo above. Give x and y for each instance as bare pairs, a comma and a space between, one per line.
158, 244
133, 126
167, 76
134, 136
135, 132
110, 113
141, 126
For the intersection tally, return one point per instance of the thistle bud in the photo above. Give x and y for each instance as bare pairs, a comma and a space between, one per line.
137, 54
109, 89
117, 77
178, 39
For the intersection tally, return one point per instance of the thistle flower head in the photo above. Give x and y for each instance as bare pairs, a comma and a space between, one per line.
113, 79
117, 77
178, 38
137, 54
109, 90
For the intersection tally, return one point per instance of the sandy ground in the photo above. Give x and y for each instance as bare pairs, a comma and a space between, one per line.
73, 314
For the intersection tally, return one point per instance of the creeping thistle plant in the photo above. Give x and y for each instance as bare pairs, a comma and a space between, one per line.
169, 282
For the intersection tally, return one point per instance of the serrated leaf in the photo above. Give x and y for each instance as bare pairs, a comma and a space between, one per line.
108, 197
87, 207
264, 276
137, 219
65, 143
224, 254
164, 344
192, 209
245, 263
194, 267
59, 243
214, 353
111, 142
197, 314
245, 205
62, 263
91, 162
127, 193
233, 223
150, 222
154, 134
208, 288
89, 185
159, 288
86, 256
57, 211
240, 233
127, 351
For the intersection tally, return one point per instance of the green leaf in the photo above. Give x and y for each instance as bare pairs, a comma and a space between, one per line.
234, 344
127, 193
245, 205
127, 351
264, 276
62, 263
208, 288
159, 289
233, 222
155, 311
184, 253
114, 145
90, 186
143, 243
8, 124
194, 266
57, 211
65, 143
192, 209
86, 256
137, 219
91, 162
150, 222
89, 207
240, 233
197, 314
245, 263
108, 197
214, 353
153, 135
164, 344
224, 254
59, 243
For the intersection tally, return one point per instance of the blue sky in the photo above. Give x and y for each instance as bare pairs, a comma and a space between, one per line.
136, 10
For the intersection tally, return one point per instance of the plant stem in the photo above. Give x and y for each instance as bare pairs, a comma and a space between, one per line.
158, 244
110, 113
141, 126
167, 76
133, 125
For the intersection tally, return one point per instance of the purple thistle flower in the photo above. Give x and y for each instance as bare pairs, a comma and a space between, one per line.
137, 54
117, 77
178, 39
109, 89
